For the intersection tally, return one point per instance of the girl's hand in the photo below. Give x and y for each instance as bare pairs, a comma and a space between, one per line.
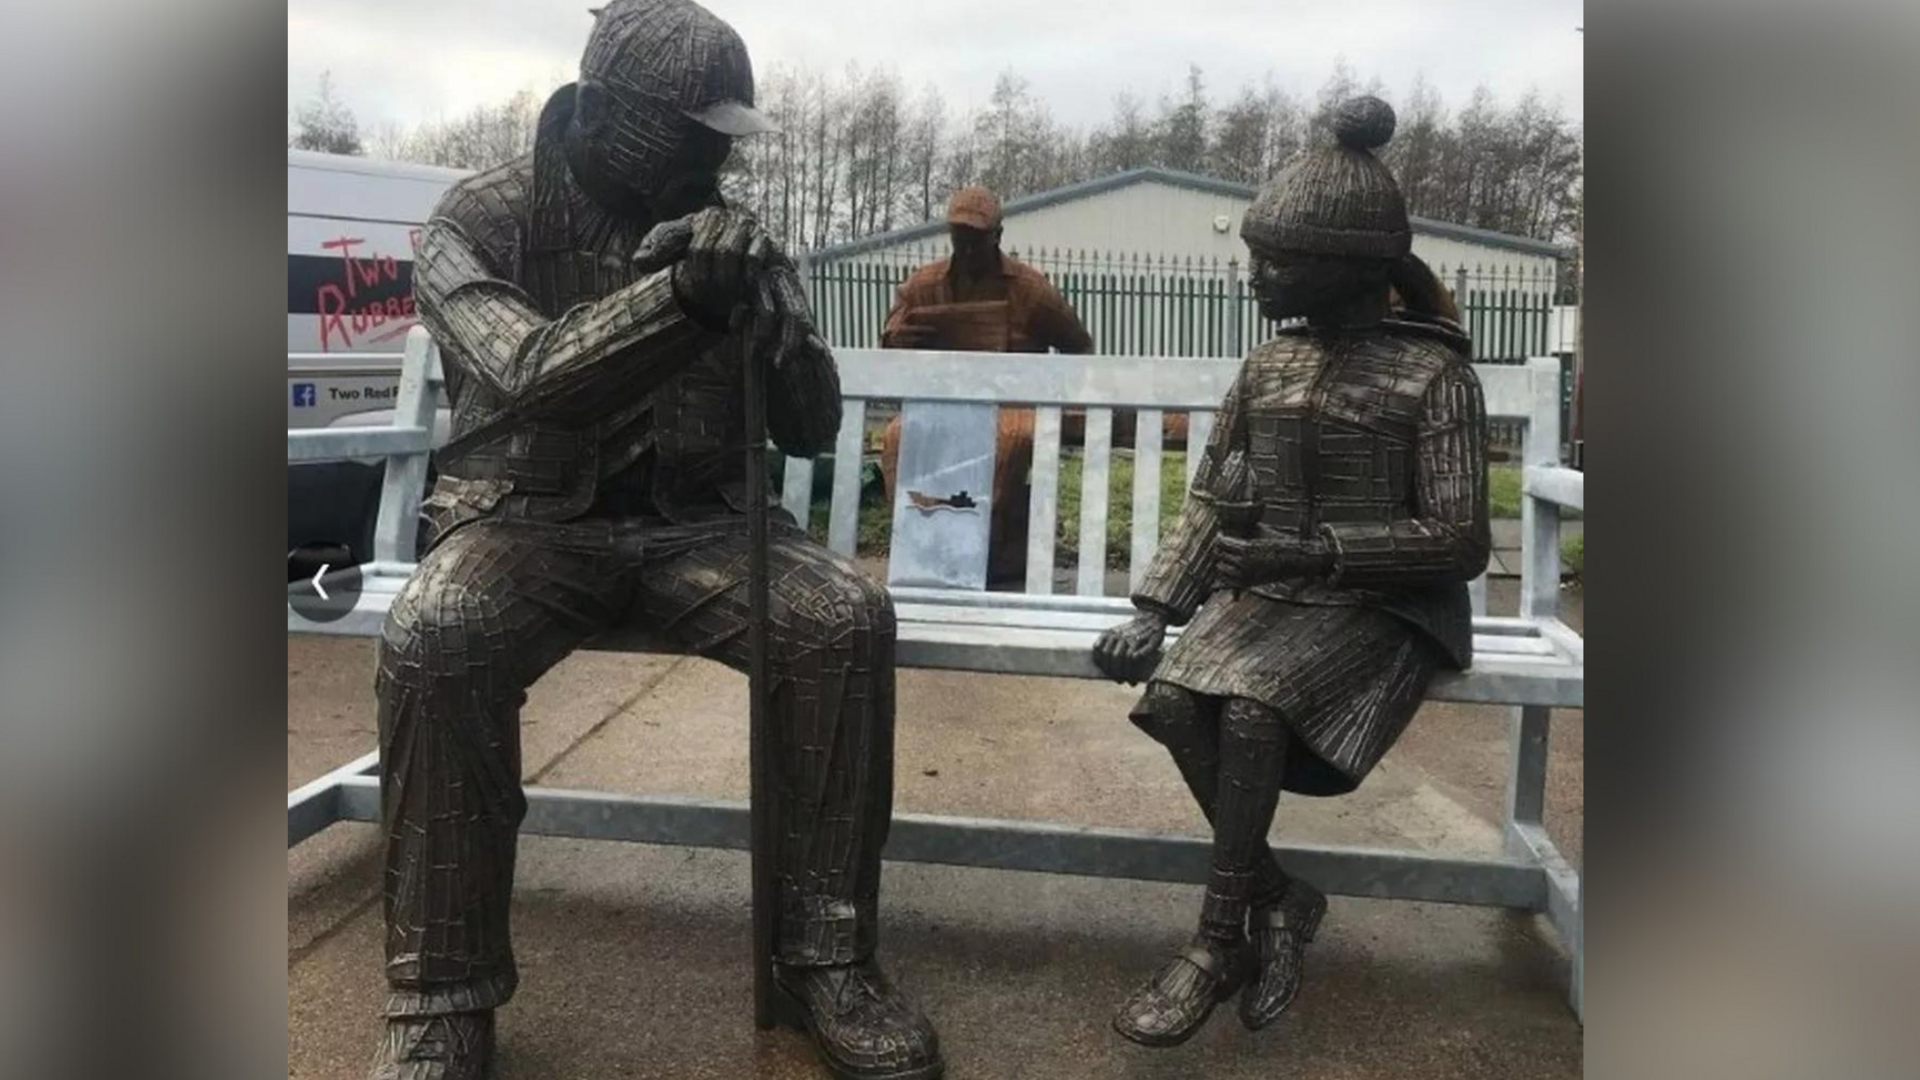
1240, 563
1128, 653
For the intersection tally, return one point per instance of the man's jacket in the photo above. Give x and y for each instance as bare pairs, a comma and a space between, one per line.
579, 385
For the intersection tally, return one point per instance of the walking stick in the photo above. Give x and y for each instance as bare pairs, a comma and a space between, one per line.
759, 733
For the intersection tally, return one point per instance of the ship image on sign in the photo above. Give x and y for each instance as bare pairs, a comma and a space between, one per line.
927, 504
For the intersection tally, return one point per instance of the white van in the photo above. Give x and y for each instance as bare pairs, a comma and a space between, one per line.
351, 227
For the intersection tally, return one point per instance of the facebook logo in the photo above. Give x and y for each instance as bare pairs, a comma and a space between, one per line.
305, 394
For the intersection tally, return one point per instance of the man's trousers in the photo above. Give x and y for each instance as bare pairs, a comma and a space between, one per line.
496, 604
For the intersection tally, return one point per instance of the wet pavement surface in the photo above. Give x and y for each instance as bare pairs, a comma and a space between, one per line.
634, 958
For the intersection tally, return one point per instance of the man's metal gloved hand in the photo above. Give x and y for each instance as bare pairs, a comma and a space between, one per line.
717, 256
780, 320
727, 270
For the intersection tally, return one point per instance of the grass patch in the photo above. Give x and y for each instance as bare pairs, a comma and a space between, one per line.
872, 536
1573, 555
1503, 494
1503, 491
1173, 491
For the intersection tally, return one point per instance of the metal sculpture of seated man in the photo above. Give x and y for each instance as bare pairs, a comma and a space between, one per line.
1322, 559
591, 299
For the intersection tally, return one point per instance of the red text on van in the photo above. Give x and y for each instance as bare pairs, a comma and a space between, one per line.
357, 305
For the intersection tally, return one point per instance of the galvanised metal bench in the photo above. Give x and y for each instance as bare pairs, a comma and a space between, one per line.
1533, 661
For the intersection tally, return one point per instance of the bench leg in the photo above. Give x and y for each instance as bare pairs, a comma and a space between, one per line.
1576, 989
313, 806
1526, 836
1563, 905
1526, 774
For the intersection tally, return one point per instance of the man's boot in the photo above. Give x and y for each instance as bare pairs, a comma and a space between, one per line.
457, 1046
863, 1028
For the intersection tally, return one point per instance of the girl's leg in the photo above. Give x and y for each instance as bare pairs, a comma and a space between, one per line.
1188, 725
1253, 746
1237, 773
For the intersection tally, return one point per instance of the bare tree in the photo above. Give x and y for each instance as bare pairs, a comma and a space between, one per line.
1341, 84
389, 140
324, 123
1239, 149
1286, 128
961, 165
1181, 130
1005, 134
489, 135
1126, 142
1417, 146
852, 158
826, 121
925, 143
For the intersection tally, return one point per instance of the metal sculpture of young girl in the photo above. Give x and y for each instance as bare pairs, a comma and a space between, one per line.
1321, 563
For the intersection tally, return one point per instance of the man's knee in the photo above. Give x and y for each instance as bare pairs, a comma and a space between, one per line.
837, 603
446, 678
1169, 714
427, 622
446, 620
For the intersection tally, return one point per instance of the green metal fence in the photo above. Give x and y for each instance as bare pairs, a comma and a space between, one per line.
1156, 305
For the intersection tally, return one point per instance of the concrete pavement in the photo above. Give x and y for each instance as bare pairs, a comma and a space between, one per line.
634, 958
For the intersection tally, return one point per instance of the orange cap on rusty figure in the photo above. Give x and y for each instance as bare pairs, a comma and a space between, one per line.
975, 207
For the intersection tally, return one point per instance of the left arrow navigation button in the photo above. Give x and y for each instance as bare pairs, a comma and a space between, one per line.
328, 595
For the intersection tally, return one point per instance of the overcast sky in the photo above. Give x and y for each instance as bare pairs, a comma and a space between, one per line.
430, 59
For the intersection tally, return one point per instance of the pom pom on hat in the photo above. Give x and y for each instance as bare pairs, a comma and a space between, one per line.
1363, 123
1336, 198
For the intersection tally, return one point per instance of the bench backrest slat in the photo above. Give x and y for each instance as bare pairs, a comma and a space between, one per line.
1199, 433
1043, 509
843, 519
1539, 519
1146, 494
1148, 382
1094, 486
1508, 390
1154, 385
796, 490
396, 528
